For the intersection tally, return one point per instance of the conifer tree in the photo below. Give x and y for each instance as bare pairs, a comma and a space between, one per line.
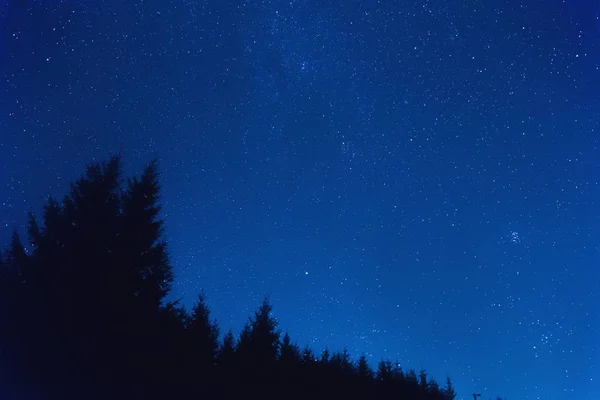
423, 380
449, 391
9, 315
33, 231
411, 377
204, 334
342, 362
363, 369
142, 236
397, 372
52, 238
346, 359
434, 388
289, 353
227, 349
385, 371
325, 356
308, 357
228, 365
259, 340
17, 255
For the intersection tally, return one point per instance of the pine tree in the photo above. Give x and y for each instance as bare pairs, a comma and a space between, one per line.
325, 356
434, 388
308, 357
62, 293
204, 334
227, 350
175, 316
363, 369
17, 255
342, 362
385, 371
10, 315
88, 231
289, 353
171, 357
33, 230
411, 377
244, 345
142, 237
346, 359
397, 372
102, 273
449, 391
423, 380
259, 340
52, 238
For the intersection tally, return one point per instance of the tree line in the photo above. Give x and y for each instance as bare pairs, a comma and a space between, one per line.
84, 314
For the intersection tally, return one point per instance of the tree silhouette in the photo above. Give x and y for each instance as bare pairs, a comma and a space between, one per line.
363, 369
204, 334
11, 340
411, 377
308, 356
325, 356
227, 350
423, 380
342, 361
258, 345
398, 373
449, 391
289, 353
84, 314
142, 236
18, 257
434, 389
385, 371
95, 278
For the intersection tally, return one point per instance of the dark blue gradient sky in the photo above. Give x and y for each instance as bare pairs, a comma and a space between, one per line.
415, 180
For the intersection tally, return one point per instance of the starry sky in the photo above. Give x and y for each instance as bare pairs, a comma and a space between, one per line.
414, 180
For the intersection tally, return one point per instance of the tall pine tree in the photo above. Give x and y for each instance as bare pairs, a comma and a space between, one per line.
385, 371
448, 390
204, 335
363, 369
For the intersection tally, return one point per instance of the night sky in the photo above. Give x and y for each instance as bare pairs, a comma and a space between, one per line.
415, 180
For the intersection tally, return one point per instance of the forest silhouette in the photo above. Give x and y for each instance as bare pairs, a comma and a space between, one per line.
84, 315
